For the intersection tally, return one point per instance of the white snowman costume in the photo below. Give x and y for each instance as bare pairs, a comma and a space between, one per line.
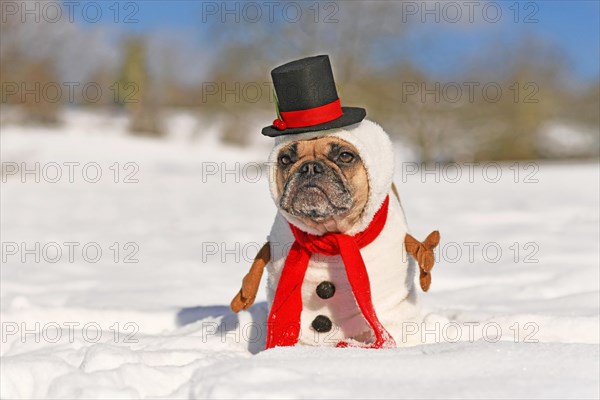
390, 270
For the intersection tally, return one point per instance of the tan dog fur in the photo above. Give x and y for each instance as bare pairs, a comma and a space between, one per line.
354, 175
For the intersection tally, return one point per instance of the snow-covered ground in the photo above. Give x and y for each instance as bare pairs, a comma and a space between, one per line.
515, 293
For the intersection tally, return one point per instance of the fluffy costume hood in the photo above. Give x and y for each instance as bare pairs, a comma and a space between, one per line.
375, 149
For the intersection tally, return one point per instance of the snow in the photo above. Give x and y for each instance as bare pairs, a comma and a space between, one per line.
564, 140
520, 324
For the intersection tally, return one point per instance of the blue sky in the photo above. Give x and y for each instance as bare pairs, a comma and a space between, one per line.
574, 25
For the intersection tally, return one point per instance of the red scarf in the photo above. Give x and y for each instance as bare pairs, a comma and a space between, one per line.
283, 326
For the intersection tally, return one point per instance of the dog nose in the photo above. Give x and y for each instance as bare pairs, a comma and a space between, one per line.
311, 168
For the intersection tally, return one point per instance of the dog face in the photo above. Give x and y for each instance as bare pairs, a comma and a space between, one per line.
322, 182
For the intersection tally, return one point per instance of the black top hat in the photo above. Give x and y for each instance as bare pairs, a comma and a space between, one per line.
307, 99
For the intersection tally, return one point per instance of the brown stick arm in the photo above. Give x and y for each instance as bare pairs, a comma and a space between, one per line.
247, 294
423, 253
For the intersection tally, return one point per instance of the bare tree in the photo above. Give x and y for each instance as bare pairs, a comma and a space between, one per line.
135, 90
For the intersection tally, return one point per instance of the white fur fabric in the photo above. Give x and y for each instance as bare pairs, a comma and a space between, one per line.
391, 273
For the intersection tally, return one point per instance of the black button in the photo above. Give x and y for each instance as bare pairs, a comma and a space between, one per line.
325, 290
322, 324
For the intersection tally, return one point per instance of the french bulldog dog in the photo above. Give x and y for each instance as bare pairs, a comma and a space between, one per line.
340, 261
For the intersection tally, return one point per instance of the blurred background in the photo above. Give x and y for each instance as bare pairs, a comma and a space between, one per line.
451, 81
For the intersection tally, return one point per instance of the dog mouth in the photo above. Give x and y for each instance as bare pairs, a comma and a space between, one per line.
317, 202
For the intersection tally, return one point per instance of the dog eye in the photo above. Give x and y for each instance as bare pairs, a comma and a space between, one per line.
285, 160
346, 157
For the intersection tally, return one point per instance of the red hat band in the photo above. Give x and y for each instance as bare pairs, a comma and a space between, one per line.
309, 117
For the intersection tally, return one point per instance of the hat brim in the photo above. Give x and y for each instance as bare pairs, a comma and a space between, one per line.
350, 115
